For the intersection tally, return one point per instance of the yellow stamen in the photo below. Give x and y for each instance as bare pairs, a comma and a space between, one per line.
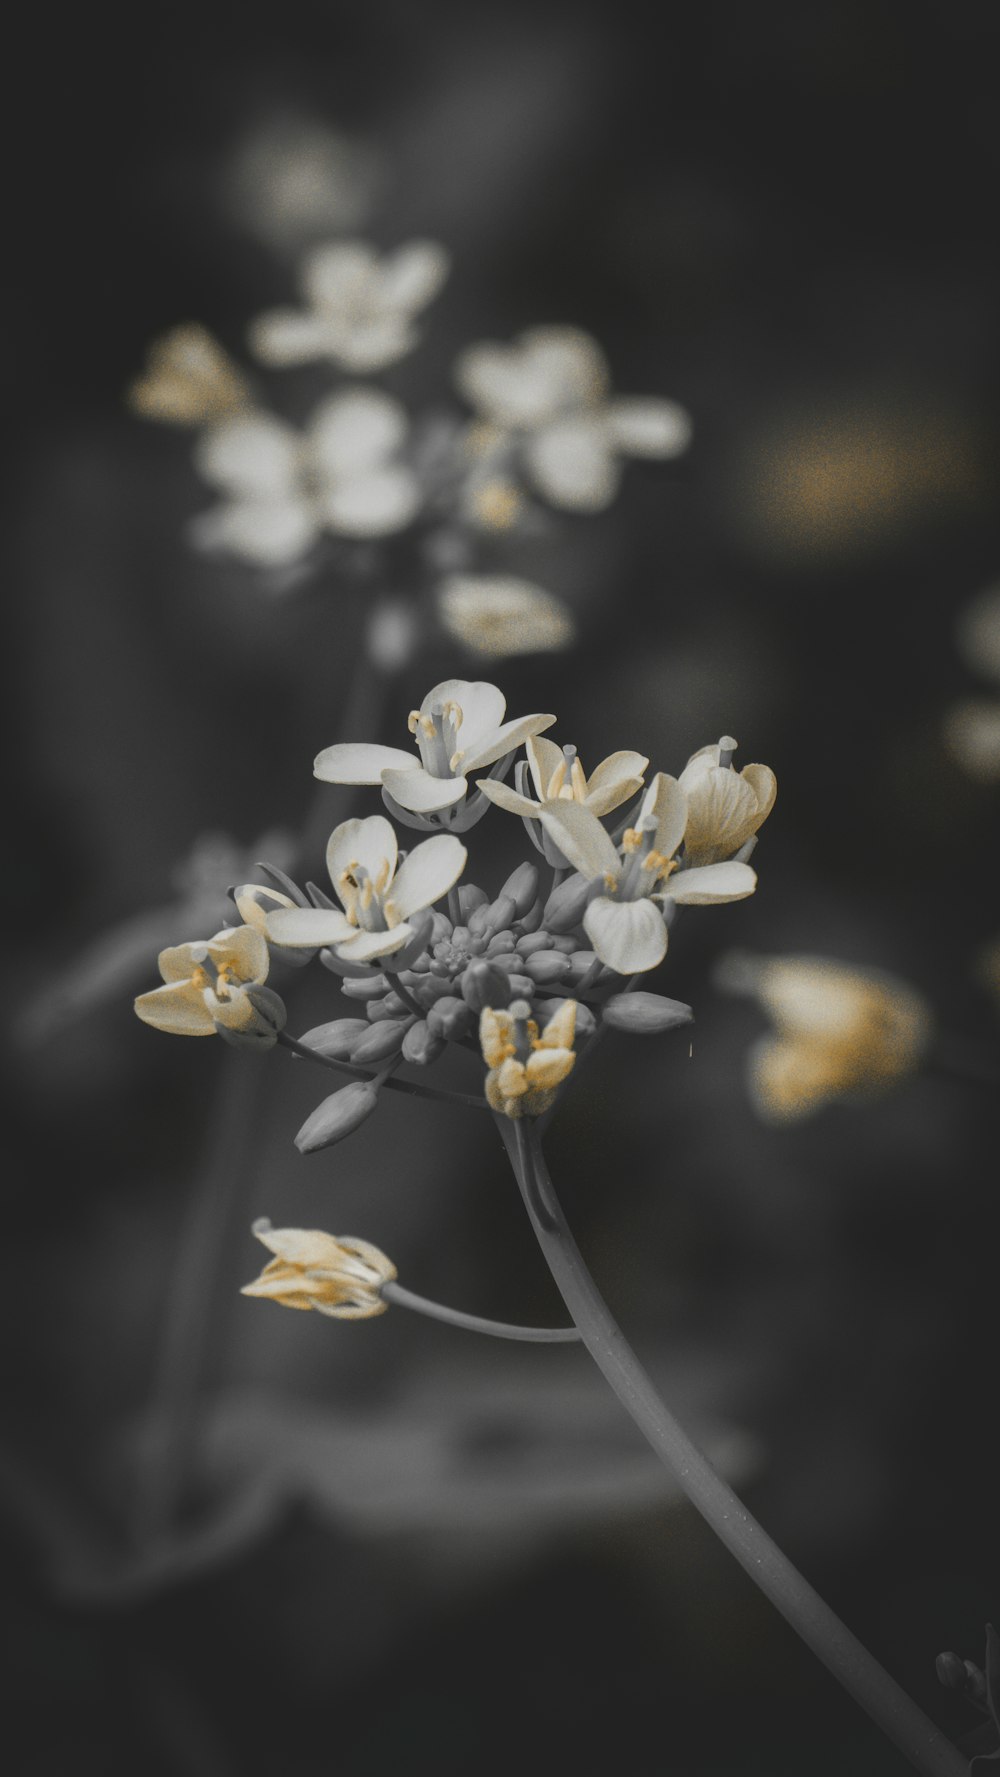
556, 782
579, 781
413, 721
631, 839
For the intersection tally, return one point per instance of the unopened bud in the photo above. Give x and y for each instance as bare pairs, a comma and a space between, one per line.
951, 1672
365, 987
379, 1041
483, 984
530, 921
450, 1017
645, 1014
470, 897
566, 905
420, 1045
260, 1030
522, 887
337, 1116
389, 1007
548, 966
499, 916
337, 1039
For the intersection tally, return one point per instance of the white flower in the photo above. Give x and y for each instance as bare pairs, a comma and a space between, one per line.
377, 897
525, 1065
496, 614
459, 728
725, 807
840, 1032
550, 391
338, 1275
286, 487
361, 307
205, 985
624, 921
558, 776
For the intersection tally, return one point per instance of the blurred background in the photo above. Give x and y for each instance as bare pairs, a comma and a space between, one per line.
401, 1546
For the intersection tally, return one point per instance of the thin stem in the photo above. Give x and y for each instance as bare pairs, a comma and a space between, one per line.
193, 1303
363, 1073
928, 1750
454, 910
474, 1323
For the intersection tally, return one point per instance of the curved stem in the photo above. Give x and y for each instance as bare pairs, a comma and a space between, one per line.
928, 1750
475, 1323
416, 1090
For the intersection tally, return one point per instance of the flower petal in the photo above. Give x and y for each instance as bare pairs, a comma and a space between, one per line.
370, 842
618, 777
722, 814
572, 464
629, 936
340, 275
581, 839
427, 873
364, 946
243, 949
666, 802
355, 430
493, 746
972, 734
764, 785
544, 760
501, 615
178, 1008
361, 762
421, 793
308, 927
567, 363
413, 275
482, 705
715, 882
495, 379
256, 456
289, 336
645, 426
790, 1080
270, 533
374, 503
504, 797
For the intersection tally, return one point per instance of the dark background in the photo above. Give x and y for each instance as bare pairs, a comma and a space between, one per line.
453, 1559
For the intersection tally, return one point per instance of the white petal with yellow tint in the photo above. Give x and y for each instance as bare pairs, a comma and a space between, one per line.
567, 364
572, 464
703, 887
362, 347
373, 503
179, 1008
504, 797
361, 762
666, 804
482, 706
412, 276
308, 927
790, 1080
354, 430
764, 785
189, 380
255, 456
629, 936
618, 777
645, 426
581, 839
422, 793
242, 948
427, 873
493, 746
363, 947
501, 615
340, 275
498, 382
370, 842
289, 336
722, 814
544, 760
270, 533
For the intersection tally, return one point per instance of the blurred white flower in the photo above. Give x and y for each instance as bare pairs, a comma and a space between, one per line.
339, 1276
292, 179
189, 380
361, 308
342, 474
497, 614
550, 392
972, 726
840, 1032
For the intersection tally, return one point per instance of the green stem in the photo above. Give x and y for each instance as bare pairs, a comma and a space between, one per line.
927, 1749
474, 1323
440, 1093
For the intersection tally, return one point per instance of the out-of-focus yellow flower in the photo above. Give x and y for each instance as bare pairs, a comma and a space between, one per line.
839, 1032
189, 381
526, 1065
337, 1275
725, 807
206, 985
499, 615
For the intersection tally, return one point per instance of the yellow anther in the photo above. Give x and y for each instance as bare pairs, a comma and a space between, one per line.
454, 711
427, 727
382, 877
579, 781
631, 839
610, 881
659, 865
556, 782
454, 763
391, 912
413, 721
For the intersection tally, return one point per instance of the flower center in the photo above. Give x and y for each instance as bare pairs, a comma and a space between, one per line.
643, 868
207, 973
568, 782
436, 732
363, 896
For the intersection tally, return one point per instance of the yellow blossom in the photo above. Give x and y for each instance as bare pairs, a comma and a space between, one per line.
526, 1065
189, 381
339, 1276
839, 1032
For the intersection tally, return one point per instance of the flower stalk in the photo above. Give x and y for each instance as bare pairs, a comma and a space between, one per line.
476, 1323
849, 1662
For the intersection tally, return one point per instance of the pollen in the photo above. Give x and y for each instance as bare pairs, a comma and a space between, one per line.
631, 839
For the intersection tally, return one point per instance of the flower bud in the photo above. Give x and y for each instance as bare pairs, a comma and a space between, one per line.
365, 987
522, 887
530, 921
483, 984
645, 1014
260, 1029
337, 1039
337, 1116
548, 966
420, 1045
450, 1017
951, 1671
499, 916
533, 941
500, 943
389, 1007
379, 1041
470, 897
566, 905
